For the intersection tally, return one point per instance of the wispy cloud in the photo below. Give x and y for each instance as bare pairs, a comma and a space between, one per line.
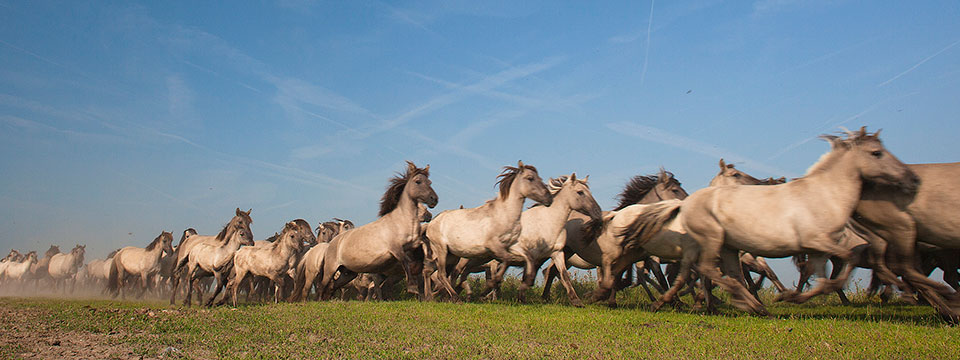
279, 206
831, 125
915, 66
31, 125
25, 51
681, 142
486, 84
180, 97
646, 48
269, 168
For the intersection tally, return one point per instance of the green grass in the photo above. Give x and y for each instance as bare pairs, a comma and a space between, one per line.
503, 329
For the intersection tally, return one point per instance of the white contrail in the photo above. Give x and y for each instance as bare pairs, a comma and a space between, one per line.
919, 63
646, 51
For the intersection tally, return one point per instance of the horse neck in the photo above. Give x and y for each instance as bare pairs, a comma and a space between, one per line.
406, 213
508, 209
837, 182
558, 212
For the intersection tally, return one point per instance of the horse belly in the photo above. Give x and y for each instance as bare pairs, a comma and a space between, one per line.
366, 262
666, 245
767, 242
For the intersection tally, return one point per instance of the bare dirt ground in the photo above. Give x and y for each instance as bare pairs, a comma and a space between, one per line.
24, 333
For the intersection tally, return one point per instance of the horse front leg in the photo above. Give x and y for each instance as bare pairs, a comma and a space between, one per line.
559, 262
221, 282
530, 267
407, 264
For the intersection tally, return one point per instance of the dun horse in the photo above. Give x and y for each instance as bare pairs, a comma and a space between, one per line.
485, 232
239, 224
140, 262
804, 215
542, 233
271, 261
64, 267
378, 246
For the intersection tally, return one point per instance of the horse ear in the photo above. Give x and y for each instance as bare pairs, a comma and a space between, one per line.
411, 167
427, 169
239, 212
572, 178
877, 134
723, 165
520, 164
835, 141
585, 179
863, 131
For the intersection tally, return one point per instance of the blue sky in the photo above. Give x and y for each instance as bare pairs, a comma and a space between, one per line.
119, 119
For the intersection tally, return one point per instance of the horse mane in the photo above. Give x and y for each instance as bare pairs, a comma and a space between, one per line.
154, 243
508, 175
346, 223
53, 250
183, 237
222, 236
838, 143
331, 224
272, 238
638, 187
391, 198
554, 186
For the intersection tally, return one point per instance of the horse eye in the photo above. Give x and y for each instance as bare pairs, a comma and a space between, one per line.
877, 154
419, 182
736, 175
580, 192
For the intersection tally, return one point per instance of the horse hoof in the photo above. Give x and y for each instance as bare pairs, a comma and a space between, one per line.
656, 306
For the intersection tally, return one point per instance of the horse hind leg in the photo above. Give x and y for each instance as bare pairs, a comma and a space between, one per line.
710, 238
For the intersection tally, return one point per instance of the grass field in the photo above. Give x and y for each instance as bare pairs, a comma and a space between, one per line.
56, 328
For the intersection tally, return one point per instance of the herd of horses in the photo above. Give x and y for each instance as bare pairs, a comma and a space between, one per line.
857, 206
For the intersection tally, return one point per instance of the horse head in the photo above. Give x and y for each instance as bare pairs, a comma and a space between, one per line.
525, 180
873, 161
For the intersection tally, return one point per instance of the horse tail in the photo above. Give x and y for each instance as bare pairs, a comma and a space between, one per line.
799, 260
113, 279
299, 280
651, 221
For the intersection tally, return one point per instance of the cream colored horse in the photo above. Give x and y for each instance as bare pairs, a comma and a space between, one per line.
18, 271
63, 268
901, 220
614, 254
271, 261
806, 215
485, 232
98, 271
378, 246
543, 236
311, 264
213, 255
240, 223
143, 263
